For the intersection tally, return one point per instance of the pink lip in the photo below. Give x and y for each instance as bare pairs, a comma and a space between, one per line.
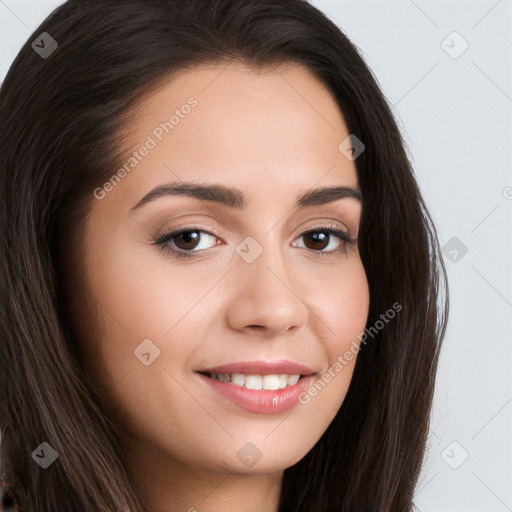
261, 368
260, 401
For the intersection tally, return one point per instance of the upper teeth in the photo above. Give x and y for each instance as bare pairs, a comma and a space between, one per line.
269, 382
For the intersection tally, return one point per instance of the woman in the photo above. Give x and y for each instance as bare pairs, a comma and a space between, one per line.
220, 277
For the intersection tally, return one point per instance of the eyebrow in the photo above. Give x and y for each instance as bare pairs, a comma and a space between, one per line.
236, 198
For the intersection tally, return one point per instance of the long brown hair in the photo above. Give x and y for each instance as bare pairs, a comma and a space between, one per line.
61, 119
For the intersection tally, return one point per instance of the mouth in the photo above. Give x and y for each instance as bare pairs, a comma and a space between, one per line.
261, 387
271, 382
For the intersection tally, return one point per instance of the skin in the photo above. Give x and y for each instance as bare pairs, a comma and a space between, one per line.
273, 134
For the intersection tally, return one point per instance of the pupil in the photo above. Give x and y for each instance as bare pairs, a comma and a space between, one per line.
316, 236
190, 238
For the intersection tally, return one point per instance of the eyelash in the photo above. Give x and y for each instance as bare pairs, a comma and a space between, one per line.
162, 240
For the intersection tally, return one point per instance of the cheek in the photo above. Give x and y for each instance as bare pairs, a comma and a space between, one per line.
342, 303
343, 307
138, 294
149, 292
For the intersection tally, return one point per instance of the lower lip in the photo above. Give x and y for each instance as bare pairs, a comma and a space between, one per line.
260, 401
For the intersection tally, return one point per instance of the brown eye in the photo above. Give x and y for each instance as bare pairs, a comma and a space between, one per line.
187, 240
193, 241
326, 241
319, 240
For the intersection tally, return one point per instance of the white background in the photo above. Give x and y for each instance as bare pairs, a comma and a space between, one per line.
455, 112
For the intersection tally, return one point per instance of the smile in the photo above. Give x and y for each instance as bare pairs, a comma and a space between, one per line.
262, 387
257, 382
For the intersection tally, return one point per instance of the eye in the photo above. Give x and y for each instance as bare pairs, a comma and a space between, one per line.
189, 242
327, 240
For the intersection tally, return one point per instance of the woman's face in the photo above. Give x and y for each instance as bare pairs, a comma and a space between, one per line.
245, 288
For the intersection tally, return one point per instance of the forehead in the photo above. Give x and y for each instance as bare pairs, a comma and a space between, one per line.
231, 123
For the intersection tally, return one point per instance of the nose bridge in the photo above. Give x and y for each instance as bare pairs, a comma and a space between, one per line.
265, 296
265, 253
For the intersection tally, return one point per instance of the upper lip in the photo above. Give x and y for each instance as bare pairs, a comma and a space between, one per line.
261, 368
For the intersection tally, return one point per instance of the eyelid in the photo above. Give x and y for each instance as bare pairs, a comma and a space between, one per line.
187, 227
329, 224
165, 236
213, 231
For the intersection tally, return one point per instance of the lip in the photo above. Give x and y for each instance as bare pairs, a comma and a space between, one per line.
260, 401
262, 368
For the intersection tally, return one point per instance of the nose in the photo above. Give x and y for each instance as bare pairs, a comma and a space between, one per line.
265, 299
